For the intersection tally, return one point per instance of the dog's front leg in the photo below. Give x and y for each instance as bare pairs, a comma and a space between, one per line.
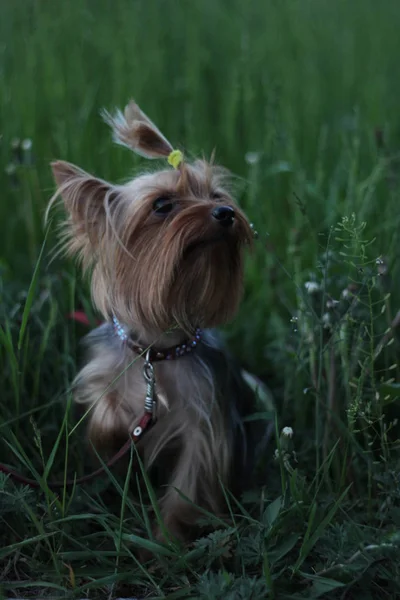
194, 483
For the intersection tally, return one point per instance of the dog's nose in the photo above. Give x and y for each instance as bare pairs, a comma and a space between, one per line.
225, 215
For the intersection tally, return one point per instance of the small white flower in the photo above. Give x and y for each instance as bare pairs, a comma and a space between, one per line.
287, 432
312, 287
252, 158
326, 320
10, 169
346, 294
332, 303
26, 145
255, 232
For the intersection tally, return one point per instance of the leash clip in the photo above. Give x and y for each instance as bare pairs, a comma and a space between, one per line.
150, 403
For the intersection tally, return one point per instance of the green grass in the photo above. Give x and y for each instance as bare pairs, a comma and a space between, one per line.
300, 100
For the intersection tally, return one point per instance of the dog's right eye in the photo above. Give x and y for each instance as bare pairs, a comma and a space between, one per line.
163, 206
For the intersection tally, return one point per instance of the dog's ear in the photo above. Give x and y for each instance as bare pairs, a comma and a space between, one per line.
86, 200
135, 130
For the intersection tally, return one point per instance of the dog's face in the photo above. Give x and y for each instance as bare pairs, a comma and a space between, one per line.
166, 248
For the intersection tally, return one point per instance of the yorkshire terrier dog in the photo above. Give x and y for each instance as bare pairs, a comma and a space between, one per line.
165, 254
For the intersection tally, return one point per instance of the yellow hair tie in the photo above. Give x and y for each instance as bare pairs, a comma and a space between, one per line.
175, 158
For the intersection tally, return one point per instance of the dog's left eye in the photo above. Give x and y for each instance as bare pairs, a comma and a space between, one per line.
163, 206
216, 196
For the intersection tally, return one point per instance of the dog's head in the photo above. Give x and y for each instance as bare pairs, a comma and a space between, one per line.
166, 248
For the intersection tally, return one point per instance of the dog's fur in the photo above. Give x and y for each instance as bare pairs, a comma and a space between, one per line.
162, 276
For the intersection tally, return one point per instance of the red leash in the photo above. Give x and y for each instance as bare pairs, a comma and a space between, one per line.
80, 317
137, 433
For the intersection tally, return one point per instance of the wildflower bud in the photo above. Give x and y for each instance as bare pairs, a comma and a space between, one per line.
15, 143
27, 151
286, 443
287, 432
26, 145
11, 171
252, 158
381, 266
331, 303
16, 150
326, 320
312, 287
255, 233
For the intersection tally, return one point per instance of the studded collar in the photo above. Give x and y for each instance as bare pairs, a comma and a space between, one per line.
153, 354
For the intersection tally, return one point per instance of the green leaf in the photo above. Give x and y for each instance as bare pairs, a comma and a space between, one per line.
31, 292
79, 517
260, 416
284, 548
147, 544
6, 342
35, 584
82, 555
264, 398
152, 495
389, 389
322, 585
183, 593
272, 511
108, 580
33, 540
54, 449
310, 540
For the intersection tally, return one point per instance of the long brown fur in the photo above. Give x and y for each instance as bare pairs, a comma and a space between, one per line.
162, 276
